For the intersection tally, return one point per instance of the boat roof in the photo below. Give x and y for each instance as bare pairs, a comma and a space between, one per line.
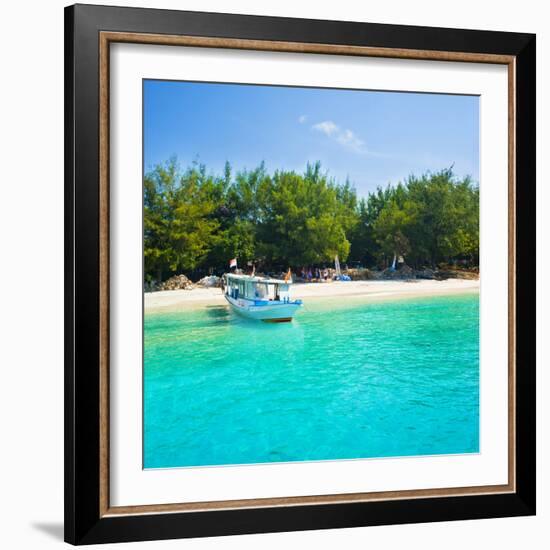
252, 279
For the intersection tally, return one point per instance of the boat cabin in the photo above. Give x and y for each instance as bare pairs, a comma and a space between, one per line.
257, 289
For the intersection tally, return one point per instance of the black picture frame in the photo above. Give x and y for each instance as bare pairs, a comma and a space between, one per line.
84, 524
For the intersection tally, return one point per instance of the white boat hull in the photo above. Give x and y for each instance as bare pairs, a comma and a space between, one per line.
274, 312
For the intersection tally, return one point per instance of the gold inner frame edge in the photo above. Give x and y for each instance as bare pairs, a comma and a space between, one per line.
105, 39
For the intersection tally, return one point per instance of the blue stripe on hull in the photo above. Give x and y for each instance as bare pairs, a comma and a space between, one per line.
269, 312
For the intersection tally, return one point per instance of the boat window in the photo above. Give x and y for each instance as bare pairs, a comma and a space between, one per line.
261, 291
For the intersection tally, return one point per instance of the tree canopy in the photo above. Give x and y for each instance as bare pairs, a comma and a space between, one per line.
195, 221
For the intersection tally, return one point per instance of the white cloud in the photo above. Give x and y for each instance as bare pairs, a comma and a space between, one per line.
343, 136
348, 139
302, 119
327, 127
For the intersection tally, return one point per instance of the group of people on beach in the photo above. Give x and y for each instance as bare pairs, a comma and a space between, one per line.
316, 274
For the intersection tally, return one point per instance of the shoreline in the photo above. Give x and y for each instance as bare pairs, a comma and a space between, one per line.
177, 300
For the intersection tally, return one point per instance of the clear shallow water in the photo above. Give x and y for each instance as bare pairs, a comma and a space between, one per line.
352, 380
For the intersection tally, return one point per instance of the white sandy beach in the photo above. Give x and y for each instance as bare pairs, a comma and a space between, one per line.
173, 300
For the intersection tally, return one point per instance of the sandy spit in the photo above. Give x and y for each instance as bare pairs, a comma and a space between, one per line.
173, 300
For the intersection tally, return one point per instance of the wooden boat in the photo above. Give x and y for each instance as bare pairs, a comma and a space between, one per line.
260, 298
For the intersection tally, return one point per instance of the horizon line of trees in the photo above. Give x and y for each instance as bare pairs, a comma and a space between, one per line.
195, 222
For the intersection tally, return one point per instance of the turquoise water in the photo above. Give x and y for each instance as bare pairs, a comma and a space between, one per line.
344, 380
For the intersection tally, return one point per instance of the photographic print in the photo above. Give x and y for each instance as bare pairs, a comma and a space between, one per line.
311, 274
276, 231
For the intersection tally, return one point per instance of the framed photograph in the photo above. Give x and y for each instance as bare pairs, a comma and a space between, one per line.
300, 274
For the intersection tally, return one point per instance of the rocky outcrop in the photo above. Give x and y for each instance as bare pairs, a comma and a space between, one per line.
456, 274
404, 272
426, 274
210, 281
177, 282
362, 274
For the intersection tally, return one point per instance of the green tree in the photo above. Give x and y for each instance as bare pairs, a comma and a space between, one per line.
446, 216
391, 228
179, 223
364, 246
305, 219
432, 218
158, 204
195, 221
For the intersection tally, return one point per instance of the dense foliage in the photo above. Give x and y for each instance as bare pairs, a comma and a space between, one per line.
195, 221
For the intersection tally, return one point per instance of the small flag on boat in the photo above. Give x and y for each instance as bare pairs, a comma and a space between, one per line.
233, 263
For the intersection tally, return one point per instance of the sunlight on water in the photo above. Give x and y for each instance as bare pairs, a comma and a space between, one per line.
343, 380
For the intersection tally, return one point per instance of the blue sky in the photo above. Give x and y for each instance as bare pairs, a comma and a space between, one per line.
374, 138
